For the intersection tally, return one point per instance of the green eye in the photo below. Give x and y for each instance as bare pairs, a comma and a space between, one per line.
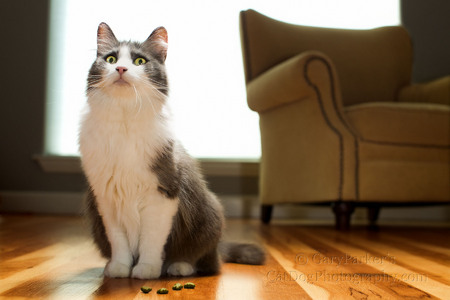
111, 59
139, 61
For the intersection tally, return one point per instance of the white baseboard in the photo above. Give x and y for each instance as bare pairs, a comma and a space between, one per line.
234, 206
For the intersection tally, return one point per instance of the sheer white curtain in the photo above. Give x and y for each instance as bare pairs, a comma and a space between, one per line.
204, 61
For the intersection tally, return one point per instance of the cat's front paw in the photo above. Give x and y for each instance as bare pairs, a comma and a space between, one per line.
180, 269
116, 269
146, 271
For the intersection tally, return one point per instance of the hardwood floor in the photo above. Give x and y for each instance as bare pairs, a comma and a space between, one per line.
48, 257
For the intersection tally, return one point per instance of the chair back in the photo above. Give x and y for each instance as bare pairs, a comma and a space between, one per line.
372, 65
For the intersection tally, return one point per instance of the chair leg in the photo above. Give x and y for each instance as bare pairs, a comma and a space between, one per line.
373, 212
343, 212
266, 213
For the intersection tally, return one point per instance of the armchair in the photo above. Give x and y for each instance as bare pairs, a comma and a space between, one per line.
340, 121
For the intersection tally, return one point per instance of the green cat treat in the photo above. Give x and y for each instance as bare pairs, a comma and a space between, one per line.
146, 289
177, 287
162, 291
189, 285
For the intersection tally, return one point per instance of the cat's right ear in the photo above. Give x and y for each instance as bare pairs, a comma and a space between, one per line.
105, 39
157, 42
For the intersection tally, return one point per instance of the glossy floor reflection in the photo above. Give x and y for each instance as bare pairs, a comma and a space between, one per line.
51, 257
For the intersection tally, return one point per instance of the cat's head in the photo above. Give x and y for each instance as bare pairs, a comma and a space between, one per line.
129, 70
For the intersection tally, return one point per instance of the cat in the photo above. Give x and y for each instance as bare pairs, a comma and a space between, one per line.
151, 211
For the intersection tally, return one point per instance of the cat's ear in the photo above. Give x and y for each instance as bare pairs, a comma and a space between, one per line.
157, 43
105, 39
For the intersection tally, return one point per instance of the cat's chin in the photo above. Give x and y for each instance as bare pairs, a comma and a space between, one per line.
122, 90
121, 82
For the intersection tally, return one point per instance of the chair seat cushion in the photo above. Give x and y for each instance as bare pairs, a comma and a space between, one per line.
420, 124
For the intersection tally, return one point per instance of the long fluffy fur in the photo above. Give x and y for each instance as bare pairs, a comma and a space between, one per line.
150, 209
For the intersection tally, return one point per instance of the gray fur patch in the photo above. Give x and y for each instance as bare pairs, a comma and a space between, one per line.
197, 226
96, 224
165, 169
249, 254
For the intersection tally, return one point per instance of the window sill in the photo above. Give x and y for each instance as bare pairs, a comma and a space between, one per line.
210, 166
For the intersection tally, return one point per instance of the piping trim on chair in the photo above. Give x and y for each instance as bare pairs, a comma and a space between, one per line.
334, 129
357, 137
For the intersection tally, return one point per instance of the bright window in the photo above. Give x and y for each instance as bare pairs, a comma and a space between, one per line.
204, 61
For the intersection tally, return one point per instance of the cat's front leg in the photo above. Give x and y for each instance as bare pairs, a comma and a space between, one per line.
156, 225
121, 260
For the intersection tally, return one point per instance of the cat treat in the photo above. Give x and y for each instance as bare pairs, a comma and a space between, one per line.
151, 211
146, 289
162, 291
189, 285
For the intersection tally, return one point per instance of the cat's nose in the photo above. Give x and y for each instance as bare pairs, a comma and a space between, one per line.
121, 70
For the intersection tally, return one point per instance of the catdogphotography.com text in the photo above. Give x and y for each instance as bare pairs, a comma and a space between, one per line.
355, 278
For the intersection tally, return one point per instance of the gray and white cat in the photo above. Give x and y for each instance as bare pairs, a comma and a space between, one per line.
151, 211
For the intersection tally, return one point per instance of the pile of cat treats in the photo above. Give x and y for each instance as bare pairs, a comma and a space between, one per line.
176, 287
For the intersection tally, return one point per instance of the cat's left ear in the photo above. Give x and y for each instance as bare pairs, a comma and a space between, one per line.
157, 43
105, 39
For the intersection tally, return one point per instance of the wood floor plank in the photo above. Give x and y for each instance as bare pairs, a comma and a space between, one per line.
441, 251
257, 282
428, 236
321, 265
291, 274
59, 259
403, 257
438, 255
345, 267
407, 283
275, 282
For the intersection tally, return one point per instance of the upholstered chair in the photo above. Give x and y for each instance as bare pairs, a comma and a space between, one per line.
341, 123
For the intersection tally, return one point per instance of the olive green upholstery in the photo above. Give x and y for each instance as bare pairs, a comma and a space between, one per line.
339, 117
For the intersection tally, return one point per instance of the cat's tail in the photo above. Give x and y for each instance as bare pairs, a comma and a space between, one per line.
242, 253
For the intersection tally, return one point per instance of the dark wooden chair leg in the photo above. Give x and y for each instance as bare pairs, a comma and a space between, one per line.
266, 213
343, 212
373, 212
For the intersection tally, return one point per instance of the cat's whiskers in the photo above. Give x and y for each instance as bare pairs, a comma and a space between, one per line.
95, 81
94, 92
138, 99
151, 104
155, 89
157, 82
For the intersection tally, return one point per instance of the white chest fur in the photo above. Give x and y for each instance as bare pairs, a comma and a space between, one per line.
117, 148
117, 154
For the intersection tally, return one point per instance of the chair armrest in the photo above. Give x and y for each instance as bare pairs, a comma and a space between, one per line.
282, 84
309, 76
436, 91
299, 103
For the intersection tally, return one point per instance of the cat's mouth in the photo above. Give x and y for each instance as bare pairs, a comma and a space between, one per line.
121, 81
